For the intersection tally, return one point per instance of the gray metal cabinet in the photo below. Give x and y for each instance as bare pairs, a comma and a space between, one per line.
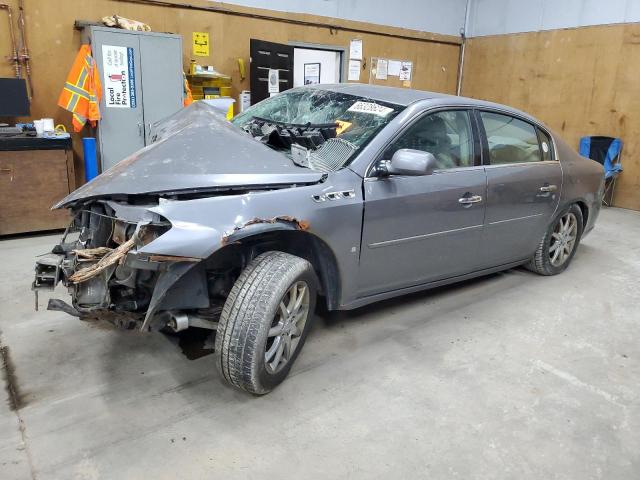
141, 75
159, 80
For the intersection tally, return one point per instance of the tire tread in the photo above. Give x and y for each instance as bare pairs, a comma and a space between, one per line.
243, 314
540, 263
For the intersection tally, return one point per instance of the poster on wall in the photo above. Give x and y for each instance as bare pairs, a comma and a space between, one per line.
405, 70
311, 73
381, 69
274, 80
119, 77
355, 49
394, 68
354, 71
200, 44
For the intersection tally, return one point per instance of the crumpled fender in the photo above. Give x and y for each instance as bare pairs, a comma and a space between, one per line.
202, 226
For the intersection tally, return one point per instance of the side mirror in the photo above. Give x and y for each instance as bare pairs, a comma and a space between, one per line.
410, 162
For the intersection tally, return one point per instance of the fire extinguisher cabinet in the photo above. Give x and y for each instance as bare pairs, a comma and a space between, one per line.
141, 75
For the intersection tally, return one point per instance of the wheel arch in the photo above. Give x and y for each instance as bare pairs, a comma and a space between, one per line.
585, 211
287, 237
582, 205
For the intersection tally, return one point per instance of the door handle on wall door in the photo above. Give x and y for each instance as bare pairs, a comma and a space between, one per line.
548, 188
470, 200
140, 129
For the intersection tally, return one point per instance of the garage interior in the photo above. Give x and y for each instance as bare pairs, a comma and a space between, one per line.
510, 375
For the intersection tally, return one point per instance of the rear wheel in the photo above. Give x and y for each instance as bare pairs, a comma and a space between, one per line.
558, 246
265, 321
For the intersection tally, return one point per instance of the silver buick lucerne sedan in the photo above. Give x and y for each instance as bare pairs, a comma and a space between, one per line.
346, 194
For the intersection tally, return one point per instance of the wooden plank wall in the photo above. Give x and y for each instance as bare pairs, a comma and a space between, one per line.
581, 81
54, 43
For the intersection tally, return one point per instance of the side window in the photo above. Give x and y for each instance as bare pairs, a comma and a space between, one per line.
447, 135
510, 140
546, 145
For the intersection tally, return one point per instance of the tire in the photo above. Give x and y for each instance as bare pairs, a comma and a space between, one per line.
253, 326
559, 244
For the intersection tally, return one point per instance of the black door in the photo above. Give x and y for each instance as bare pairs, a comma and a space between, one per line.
267, 56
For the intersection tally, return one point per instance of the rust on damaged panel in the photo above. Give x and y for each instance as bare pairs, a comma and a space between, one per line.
299, 224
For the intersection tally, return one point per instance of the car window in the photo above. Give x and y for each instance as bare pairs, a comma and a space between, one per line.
447, 135
510, 140
546, 145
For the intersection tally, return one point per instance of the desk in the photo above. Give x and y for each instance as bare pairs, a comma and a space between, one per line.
35, 173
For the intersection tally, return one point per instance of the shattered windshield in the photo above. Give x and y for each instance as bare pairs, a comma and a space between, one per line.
318, 129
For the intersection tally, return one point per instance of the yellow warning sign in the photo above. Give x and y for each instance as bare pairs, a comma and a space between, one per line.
201, 44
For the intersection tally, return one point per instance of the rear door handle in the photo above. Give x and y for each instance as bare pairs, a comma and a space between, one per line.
470, 200
548, 188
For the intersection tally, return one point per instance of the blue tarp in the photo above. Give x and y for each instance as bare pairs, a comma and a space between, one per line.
610, 169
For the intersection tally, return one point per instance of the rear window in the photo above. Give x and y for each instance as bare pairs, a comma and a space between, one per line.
510, 139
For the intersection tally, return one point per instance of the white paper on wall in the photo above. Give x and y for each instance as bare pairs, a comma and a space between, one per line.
354, 71
355, 49
394, 68
381, 70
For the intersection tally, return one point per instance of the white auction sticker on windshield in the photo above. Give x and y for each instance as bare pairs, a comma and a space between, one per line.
369, 107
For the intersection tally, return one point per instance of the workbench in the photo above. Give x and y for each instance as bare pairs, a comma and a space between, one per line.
35, 173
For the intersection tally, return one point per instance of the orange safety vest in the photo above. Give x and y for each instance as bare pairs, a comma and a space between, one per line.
82, 91
187, 97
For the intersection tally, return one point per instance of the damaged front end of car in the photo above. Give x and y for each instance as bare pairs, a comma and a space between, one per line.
154, 239
110, 262
99, 262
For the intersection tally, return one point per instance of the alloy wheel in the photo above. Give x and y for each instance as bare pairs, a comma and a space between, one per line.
287, 327
563, 239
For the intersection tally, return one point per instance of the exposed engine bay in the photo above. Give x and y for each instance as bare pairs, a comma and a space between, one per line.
98, 261
309, 145
279, 135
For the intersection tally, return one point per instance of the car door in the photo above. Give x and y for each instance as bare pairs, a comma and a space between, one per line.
419, 229
523, 185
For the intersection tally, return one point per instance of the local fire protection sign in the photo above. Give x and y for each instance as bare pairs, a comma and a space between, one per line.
119, 77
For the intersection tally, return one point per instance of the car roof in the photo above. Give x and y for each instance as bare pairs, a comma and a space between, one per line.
407, 96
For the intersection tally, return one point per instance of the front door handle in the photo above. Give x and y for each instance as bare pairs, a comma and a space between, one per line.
470, 200
548, 188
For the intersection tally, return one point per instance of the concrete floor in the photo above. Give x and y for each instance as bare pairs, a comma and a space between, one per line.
509, 376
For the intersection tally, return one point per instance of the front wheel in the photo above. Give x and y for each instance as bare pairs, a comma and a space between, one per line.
559, 244
265, 321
